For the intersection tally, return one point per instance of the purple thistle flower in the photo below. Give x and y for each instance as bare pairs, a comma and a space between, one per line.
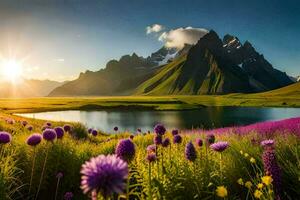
175, 132
219, 146
49, 135
125, 149
67, 128
90, 130
210, 138
48, 124
5, 138
159, 129
199, 142
131, 137
190, 152
94, 132
34, 139
166, 142
139, 130
157, 139
59, 132
104, 174
29, 128
59, 175
24, 123
177, 139
151, 148
68, 196
272, 169
116, 128
151, 157
267, 143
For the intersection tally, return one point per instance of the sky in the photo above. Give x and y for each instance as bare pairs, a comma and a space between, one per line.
58, 39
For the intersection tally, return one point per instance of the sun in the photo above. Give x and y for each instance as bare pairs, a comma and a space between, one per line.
12, 70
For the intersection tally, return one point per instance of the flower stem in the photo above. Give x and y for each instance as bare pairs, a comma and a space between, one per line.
42, 175
56, 191
32, 170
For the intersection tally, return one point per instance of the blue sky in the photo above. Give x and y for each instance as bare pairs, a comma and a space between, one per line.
60, 39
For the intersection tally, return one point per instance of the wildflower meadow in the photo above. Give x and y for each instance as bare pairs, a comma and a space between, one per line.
54, 160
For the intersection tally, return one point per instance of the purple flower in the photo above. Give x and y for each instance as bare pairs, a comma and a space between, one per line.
177, 139
199, 142
67, 127
34, 139
94, 132
175, 132
104, 174
267, 143
59, 175
49, 134
68, 196
116, 128
166, 142
219, 146
159, 129
151, 148
210, 138
157, 139
48, 124
190, 152
131, 137
151, 157
29, 128
59, 132
90, 130
5, 138
139, 130
272, 169
24, 123
125, 149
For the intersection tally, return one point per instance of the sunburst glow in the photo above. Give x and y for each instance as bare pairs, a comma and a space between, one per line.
12, 70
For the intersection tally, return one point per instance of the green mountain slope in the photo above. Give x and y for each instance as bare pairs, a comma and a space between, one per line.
288, 91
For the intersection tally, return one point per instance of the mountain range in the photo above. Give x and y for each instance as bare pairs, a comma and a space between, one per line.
28, 88
211, 66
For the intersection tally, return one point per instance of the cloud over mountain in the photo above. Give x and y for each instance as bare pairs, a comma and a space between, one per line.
155, 28
176, 38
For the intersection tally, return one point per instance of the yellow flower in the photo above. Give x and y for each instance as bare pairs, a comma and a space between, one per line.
260, 186
221, 191
248, 184
240, 181
267, 180
246, 155
241, 152
258, 194
252, 160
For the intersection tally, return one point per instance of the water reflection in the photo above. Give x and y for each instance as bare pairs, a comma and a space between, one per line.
203, 118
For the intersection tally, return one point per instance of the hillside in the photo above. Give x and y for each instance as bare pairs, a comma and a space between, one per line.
288, 91
28, 88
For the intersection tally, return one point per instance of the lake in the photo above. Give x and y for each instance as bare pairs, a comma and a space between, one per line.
210, 117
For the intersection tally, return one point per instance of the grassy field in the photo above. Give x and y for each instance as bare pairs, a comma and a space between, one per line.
51, 170
146, 102
284, 97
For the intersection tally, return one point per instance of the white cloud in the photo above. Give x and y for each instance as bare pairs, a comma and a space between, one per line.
176, 38
60, 60
155, 28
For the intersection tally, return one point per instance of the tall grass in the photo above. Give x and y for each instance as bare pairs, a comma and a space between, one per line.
171, 176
